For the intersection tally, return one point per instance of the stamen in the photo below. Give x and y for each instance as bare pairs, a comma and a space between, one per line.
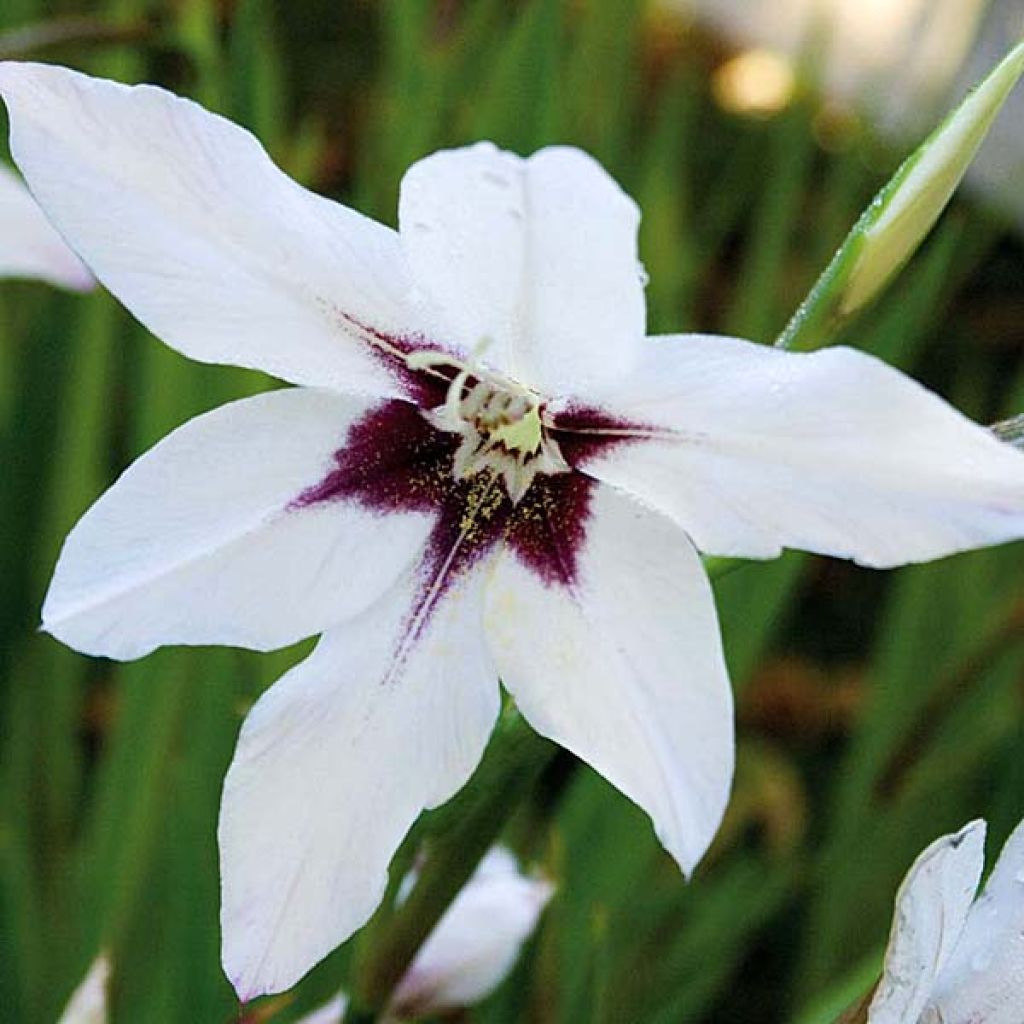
453, 400
426, 358
474, 401
500, 422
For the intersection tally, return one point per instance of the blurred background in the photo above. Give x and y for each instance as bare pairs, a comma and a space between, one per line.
876, 710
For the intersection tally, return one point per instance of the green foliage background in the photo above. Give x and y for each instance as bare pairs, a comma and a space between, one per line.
875, 710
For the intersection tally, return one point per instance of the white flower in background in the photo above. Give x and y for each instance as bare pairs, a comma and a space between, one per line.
954, 959
29, 245
447, 514
900, 53
477, 941
88, 1003
330, 1013
900, 59
473, 947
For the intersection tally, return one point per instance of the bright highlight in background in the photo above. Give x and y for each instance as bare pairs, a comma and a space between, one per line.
757, 82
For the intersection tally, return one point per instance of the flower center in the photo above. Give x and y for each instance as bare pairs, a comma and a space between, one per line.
499, 422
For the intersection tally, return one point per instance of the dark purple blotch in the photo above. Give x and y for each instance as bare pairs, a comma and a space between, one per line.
426, 388
549, 526
393, 461
583, 432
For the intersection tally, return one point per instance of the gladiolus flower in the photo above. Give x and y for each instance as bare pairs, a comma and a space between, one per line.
488, 471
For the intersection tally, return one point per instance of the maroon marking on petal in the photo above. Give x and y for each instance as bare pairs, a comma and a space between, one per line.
584, 432
549, 526
471, 522
394, 461
427, 388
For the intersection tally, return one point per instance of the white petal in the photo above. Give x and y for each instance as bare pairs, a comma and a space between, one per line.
88, 1003
29, 245
330, 1013
477, 941
334, 763
983, 983
624, 667
538, 255
752, 449
931, 908
197, 542
182, 215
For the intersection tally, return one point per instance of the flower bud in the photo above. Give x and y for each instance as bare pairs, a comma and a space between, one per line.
904, 212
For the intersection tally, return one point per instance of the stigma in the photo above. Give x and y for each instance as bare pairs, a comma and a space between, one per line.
499, 421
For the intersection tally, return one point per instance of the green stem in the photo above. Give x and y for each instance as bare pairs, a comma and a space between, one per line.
950, 693
820, 314
718, 566
857, 1012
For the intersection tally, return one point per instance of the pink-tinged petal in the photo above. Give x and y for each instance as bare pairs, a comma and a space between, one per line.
389, 715
184, 217
983, 982
606, 635
29, 244
537, 255
88, 1003
752, 449
205, 539
931, 907
477, 941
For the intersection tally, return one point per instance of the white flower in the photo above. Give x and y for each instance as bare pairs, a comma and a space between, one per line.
29, 245
477, 941
954, 959
471, 949
445, 514
88, 1003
